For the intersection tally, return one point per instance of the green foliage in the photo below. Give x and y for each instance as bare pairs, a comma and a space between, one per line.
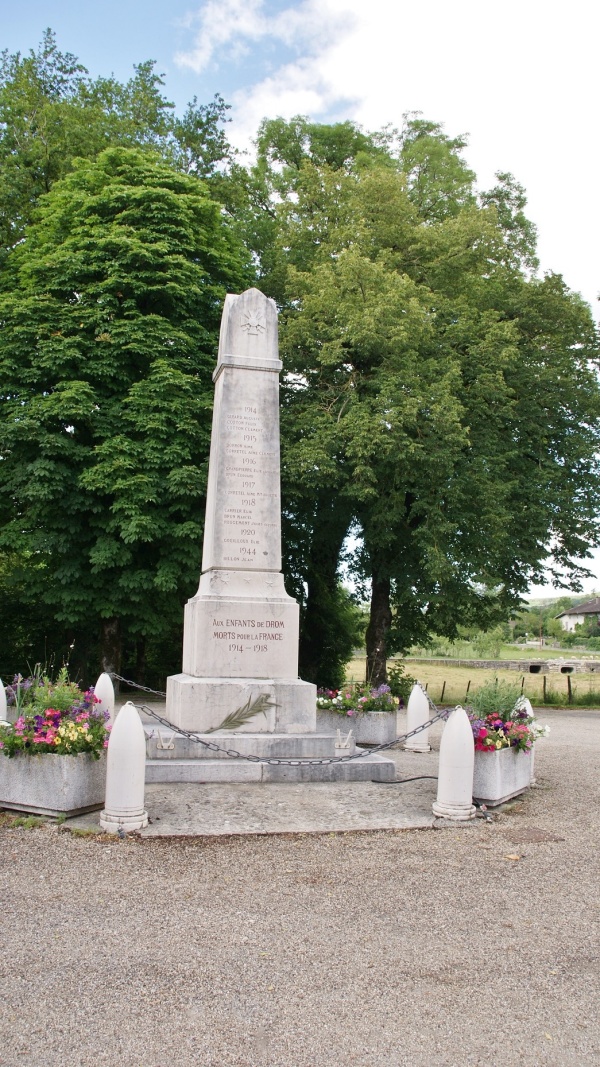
495, 698
106, 353
20, 822
52, 112
439, 182
332, 626
400, 682
447, 402
54, 717
488, 644
60, 694
29, 633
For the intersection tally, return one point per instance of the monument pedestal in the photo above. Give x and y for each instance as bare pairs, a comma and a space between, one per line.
255, 705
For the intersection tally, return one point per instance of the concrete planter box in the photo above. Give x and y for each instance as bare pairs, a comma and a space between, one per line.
52, 785
502, 774
369, 728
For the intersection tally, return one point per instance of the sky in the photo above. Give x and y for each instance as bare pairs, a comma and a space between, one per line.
519, 79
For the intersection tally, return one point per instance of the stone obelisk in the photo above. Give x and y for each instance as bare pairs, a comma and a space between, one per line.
240, 648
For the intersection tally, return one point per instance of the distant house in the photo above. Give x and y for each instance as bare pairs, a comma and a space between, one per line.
576, 616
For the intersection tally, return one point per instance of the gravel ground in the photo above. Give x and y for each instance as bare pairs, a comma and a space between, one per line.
457, 946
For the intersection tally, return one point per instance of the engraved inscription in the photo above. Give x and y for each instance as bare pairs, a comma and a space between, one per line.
248, 635
250, 459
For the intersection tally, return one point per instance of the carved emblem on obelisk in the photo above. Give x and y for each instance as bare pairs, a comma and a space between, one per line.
252, 324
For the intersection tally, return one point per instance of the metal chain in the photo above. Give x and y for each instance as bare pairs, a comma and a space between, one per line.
286, 760
289, 760
134, 685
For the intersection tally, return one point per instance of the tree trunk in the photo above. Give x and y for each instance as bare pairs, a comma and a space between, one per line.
140, 660
111, 645
379, 623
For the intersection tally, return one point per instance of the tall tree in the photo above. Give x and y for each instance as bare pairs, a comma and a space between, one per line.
107, 337
435, 387
52, 112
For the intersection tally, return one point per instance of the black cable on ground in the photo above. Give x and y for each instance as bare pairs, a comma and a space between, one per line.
401, 781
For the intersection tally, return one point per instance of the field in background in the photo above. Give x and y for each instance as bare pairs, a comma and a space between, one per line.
465, 650
585, 687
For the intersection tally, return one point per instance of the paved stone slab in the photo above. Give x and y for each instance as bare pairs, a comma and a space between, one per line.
198, 810
252, 807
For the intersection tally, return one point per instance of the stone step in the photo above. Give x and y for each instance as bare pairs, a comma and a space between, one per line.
163, 744
367, 768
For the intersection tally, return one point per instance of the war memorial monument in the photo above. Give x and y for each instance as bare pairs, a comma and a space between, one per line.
240, 649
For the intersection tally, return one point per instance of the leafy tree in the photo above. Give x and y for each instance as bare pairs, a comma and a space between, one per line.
52, 112
445, 399
107, 339
29, 634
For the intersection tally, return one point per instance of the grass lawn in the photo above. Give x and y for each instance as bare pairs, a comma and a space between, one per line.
459, 680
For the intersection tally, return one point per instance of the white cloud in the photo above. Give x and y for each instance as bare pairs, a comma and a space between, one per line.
227, 29
520, 80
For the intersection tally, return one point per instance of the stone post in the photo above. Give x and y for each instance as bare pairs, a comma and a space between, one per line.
125, 774
527, 705
417, 712
455, 775
105, 692
3, 704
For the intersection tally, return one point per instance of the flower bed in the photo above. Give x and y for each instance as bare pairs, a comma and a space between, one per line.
55, 748
504, 732
369, 712
501, 774
53, 718
58, 785
355, 700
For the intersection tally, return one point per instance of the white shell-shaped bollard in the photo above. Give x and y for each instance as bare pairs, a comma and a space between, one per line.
3, 704
417, 712
125, 774
104, 690
455, 775
527, 705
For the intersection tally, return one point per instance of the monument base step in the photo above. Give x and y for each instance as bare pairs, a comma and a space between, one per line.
366, 769
164, 744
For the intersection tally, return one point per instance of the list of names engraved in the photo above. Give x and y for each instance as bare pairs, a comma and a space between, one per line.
247, 525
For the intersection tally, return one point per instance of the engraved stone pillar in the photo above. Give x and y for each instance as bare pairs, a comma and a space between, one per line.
240, 647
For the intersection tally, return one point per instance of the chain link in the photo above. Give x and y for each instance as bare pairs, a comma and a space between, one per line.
288, 761
134, 685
